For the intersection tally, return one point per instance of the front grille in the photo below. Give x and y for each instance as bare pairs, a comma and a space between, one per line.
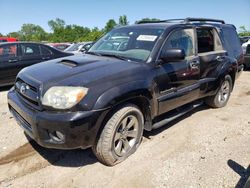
28, 93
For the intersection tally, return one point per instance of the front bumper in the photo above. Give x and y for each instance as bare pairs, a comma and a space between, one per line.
79, 128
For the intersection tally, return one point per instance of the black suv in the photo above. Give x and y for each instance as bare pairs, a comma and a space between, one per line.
135, 78
14, 56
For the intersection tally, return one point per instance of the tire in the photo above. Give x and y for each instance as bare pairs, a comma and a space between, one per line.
121, 135
223, 94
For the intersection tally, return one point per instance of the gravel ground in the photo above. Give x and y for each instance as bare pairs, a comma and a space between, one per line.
205, 148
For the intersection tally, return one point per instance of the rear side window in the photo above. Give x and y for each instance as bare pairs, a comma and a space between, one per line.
8, 51
232, 42
208, 40
45, 51
30, 50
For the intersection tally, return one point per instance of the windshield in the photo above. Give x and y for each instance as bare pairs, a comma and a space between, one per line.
128, 42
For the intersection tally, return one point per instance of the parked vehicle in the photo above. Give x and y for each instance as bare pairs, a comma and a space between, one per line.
59, 46
244, 39
7, 39
79, 48
16, 55
106, 98
247, 58
244, 46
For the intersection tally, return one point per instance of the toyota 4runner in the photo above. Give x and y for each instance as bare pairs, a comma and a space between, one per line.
135, 78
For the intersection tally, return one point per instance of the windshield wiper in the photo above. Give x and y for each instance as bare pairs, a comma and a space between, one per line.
116, 56
94, 53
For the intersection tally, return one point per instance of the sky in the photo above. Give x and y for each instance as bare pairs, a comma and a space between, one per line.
95, 13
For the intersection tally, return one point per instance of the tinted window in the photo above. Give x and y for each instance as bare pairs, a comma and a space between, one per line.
208, 40
45, 51
248, 49
232, 42
8, 50
30, 50
182, 39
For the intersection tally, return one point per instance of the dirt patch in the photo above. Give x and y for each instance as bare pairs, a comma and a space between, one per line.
20, 153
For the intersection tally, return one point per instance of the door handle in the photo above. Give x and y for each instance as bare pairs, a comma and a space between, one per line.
45, 58
220, 58
12, 60
194, 64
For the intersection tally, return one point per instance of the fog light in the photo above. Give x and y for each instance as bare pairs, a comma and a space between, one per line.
57, 136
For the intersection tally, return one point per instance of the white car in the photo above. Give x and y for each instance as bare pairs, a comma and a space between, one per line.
244, 46
79, 48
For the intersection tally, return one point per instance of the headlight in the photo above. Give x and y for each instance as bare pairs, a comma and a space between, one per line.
64, 97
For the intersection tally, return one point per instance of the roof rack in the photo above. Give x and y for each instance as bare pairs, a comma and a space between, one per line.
186, 20
204, 20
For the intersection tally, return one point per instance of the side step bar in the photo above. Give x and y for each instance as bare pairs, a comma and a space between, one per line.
178, 113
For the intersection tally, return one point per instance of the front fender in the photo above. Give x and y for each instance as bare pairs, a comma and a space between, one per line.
120, 93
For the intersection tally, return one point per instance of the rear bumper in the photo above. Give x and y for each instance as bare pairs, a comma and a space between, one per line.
79, 128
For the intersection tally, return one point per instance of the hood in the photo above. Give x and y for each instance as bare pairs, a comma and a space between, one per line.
78, 70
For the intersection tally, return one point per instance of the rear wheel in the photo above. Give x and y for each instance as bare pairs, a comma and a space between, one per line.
121, 135
222, 96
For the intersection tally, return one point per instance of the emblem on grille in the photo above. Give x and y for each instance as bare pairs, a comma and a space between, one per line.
23, 88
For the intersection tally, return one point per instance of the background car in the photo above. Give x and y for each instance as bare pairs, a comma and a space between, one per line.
79, 47
59, 46
244, 46
8, 39
244, 39
247, 58
16, 55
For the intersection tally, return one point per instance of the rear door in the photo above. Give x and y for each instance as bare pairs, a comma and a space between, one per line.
9, 61
211, 53
30, 54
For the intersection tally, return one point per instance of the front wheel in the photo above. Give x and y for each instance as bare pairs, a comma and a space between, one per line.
222, 96
121, 135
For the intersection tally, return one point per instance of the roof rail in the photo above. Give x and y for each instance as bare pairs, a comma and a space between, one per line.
204, 20
186, 20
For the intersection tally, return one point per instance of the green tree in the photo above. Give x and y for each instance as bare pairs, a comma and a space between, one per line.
1, 34
243, 31
123, 20
147, 20
56, 24
31, 32
93, 35
110, 25
15, 34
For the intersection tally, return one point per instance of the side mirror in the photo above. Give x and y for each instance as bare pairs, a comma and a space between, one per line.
83, 50
172, 55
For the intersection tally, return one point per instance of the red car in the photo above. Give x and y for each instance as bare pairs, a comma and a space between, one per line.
8, 39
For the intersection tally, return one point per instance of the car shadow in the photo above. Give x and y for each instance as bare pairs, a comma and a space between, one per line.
5, 88
65, 158
154, 132
244, 181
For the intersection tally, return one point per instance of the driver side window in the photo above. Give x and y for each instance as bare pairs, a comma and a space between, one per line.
182, 39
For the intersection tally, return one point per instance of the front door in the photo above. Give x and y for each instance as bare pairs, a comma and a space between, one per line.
178, 81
